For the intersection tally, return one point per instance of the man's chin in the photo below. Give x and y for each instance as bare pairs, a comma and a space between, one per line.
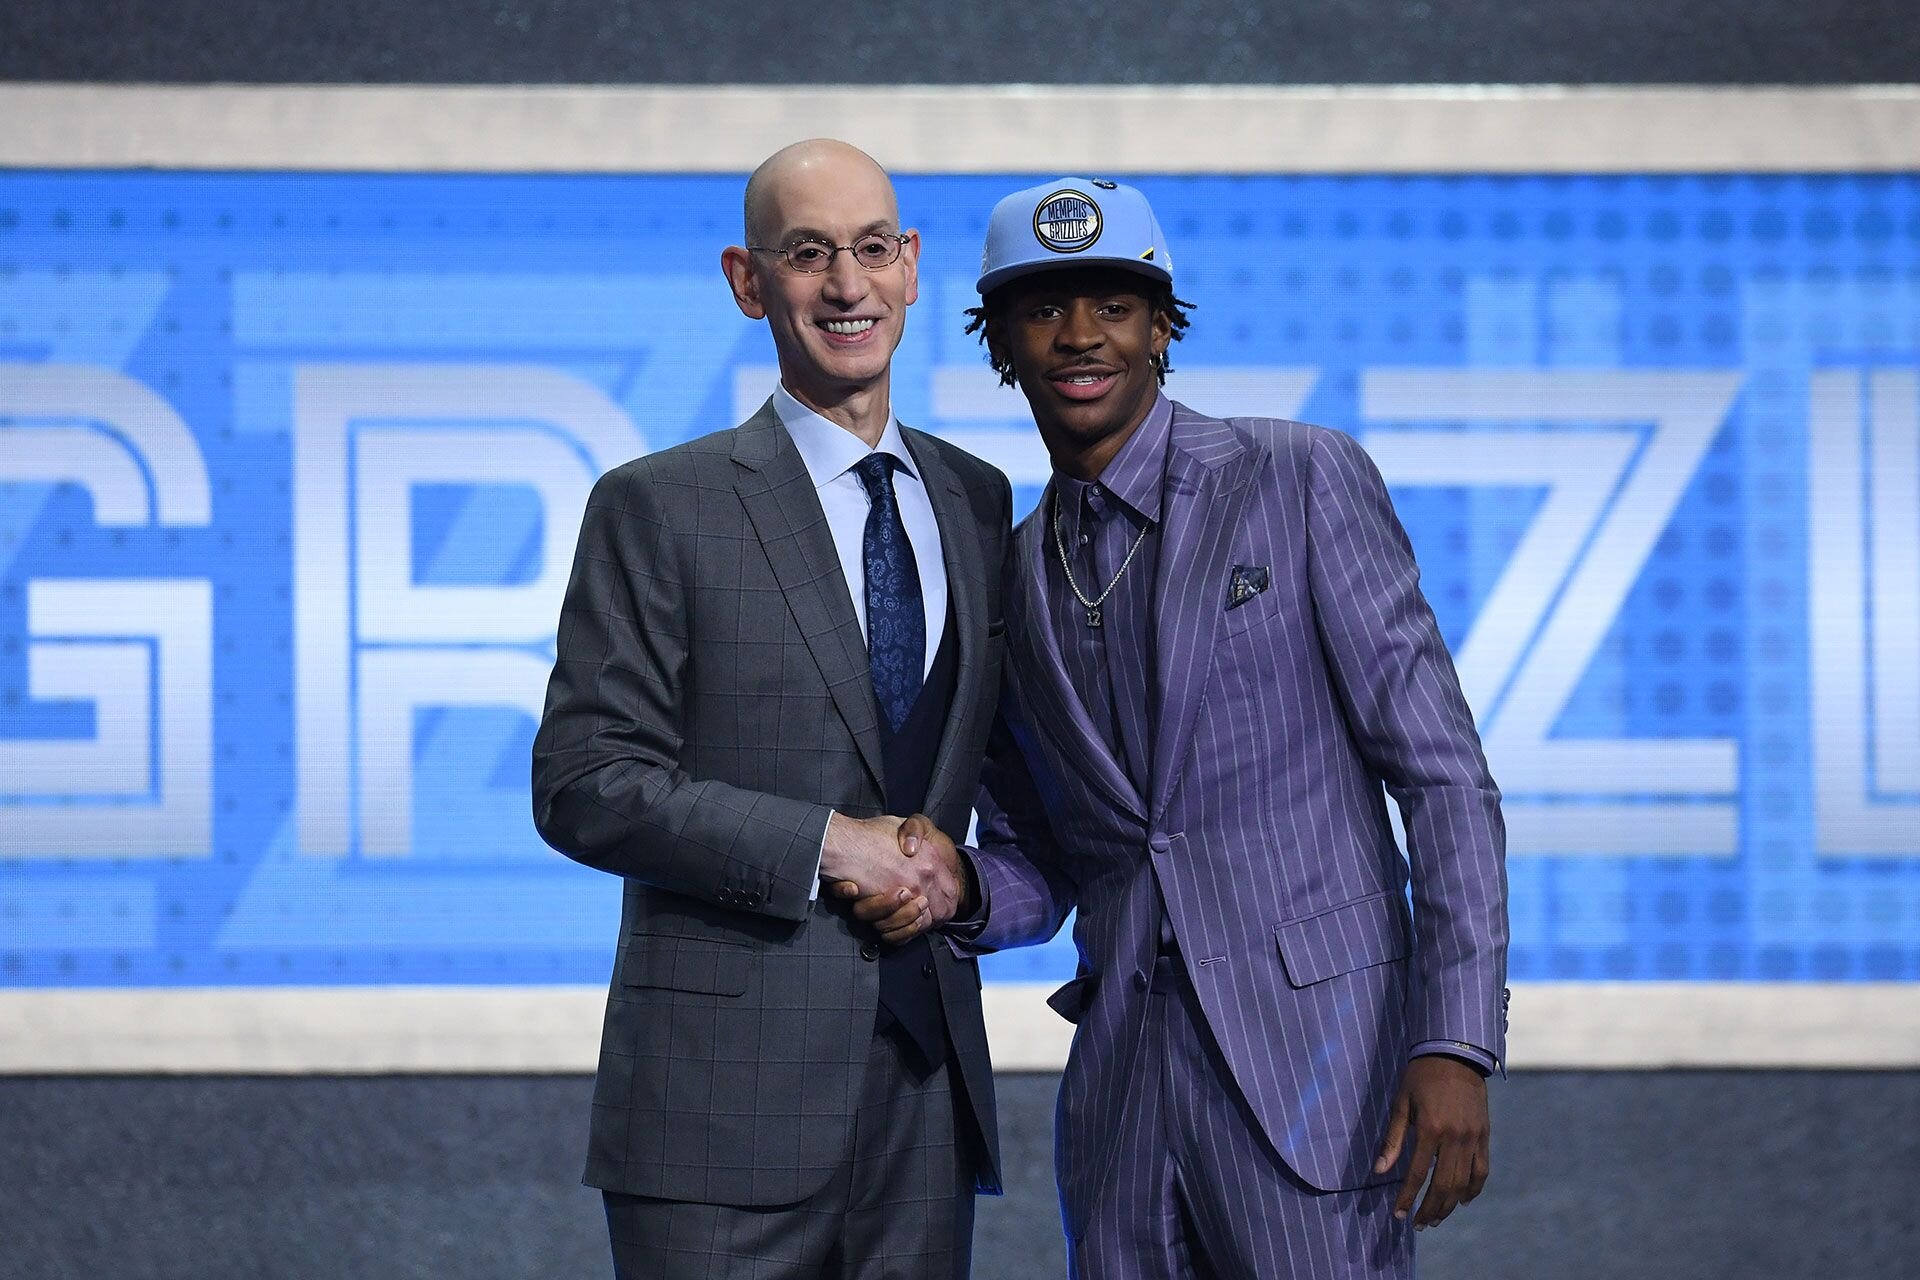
831, 383
850, 375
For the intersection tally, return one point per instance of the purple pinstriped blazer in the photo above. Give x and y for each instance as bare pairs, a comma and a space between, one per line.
1276, 719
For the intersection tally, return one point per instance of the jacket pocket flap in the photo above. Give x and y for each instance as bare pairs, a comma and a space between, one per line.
1366, 931
1071, 1001
686, 964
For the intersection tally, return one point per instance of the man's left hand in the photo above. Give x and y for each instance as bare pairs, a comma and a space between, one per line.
1444, 1102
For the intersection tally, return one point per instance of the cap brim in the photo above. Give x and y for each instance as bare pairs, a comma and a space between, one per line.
994, 279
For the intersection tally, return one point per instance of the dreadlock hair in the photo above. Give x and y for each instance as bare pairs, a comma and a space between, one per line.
1160, 298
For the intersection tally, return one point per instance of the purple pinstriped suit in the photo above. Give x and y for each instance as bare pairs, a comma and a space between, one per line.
1258, 838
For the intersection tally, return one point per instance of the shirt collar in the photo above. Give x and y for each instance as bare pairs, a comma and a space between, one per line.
1136, 473
828, 449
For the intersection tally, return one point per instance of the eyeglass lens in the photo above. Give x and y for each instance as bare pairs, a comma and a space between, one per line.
870, 251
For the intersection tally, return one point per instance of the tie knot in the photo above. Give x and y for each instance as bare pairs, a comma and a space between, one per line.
876, 473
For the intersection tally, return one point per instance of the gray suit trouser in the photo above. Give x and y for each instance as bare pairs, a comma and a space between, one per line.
900, 1207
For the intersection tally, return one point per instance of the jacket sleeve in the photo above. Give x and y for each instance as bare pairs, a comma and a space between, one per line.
1414, 728
1026, 888
608, 789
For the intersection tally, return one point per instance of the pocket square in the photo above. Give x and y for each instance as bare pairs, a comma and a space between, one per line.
1248, 581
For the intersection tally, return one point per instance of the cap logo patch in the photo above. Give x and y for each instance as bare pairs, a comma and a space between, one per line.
1067, 221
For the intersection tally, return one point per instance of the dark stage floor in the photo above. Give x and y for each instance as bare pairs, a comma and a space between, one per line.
1596, 1174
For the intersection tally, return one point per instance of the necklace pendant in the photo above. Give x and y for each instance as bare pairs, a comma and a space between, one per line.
1093, 615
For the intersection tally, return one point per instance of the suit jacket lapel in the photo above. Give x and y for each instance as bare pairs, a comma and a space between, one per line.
966, 587
779, 497
1058, 711
1201, 506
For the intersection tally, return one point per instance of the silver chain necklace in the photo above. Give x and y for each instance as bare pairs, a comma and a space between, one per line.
1060, 545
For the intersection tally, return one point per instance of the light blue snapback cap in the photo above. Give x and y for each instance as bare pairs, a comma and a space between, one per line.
1073, 222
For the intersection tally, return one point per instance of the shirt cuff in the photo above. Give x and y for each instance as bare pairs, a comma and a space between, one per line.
813, 895
1471, 1054
973, 924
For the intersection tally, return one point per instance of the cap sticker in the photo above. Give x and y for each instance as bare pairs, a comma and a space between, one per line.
1105, 185
1067, 221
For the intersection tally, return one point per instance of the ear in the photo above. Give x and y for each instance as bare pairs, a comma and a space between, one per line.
1162, 333
737, 265
910, 258
995, 334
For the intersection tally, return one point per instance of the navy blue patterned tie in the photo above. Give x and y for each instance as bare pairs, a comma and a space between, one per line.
896, 616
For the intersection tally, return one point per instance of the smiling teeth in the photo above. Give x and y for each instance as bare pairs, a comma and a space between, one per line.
1083, 380
849, 326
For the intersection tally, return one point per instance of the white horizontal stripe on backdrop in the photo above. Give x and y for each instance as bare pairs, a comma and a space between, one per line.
376, 1030
968, 129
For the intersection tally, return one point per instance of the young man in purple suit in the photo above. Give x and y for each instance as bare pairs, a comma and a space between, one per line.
1217, 654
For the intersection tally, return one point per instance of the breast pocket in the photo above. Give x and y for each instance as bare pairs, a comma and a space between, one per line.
1255, 612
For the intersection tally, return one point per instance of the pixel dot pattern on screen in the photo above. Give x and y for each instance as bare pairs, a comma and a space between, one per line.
290, 469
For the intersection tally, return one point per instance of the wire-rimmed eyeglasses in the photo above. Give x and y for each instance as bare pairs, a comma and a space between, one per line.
808, 256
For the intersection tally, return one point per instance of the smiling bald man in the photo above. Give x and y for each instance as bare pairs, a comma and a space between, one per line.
775, 637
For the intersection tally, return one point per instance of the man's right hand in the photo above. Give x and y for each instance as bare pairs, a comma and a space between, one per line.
864, 852
866, 859
898, 916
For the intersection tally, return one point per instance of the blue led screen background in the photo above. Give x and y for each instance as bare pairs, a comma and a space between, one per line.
290, 468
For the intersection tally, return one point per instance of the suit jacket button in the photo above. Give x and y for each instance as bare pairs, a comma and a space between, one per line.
1139, 980
753, 899
869, 951
1160, 844
926, 970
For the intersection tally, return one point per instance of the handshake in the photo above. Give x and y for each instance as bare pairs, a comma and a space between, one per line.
902, 876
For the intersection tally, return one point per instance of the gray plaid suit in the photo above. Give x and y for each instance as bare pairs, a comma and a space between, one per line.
1261, 838
710, 703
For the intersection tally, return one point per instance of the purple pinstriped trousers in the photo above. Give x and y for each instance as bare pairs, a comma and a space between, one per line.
1198, 1191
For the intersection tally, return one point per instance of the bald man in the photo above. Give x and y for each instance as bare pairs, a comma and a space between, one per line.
775, 637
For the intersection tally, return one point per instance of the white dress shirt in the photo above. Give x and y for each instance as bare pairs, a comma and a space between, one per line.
829, 452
